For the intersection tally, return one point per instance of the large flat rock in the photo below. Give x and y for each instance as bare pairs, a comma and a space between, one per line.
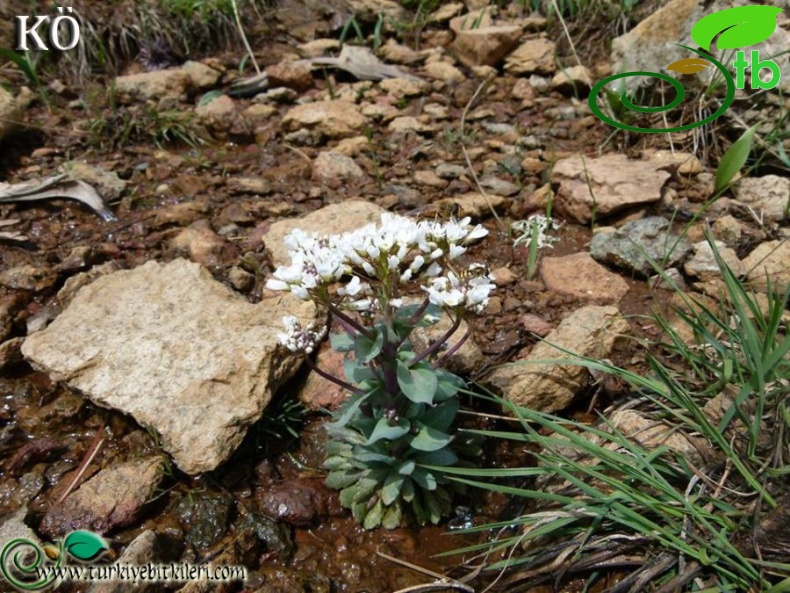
591, 331
176, 350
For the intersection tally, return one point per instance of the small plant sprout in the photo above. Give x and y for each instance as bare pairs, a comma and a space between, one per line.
534, 231
401, 414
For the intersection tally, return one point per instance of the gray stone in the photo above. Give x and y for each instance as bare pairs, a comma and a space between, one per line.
535, 56
576, 79
28, 277
331, 119
580, 276
162, 86
602, 186
445, 72
769, 261
480, 42
334, 167
499, 186
636, 243
176, 350
14, 526
330, 220
107, 183
449, 171
11, 352
404, 87
110, 499
203, 77
201, 244
703, 265
768, 195
549, 387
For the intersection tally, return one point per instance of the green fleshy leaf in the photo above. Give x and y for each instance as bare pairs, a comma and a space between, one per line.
407, 490
434, 509
374, 516
449, 385
337, 462
357, 371
339, 480
349, 408
365, 349
84, 545
430, 439
419, 511
369, 457
341, 342
391, 489
338, 448
441, 417
418, 383
358, 492
406, 312
359, 510
392, 517
407, 467
414, 411
384, 430
424, 479
441, 457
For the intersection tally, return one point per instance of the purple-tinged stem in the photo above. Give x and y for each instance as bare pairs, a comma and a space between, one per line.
455, 347
437, 344
347, 386
349, 321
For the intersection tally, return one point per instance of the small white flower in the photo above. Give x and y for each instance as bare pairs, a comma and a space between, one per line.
297, 339
352, 288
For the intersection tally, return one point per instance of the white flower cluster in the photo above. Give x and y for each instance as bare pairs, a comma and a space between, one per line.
297, 339
468, 290
537, 222
397, 250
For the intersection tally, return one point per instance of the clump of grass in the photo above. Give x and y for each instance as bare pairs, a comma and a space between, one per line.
112, 34
606, 504
145, 124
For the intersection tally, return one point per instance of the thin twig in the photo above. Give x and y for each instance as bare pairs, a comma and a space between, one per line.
502, 226
301, 153
442, 583
567, 33
243, 36
93, 450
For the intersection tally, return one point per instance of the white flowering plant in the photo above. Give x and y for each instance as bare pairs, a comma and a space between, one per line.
398, 425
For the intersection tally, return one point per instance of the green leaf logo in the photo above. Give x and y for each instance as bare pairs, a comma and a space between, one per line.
739, 27
84, 545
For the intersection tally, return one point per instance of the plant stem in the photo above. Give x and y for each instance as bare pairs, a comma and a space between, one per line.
347, 386
455, 347
437, 344
349, 321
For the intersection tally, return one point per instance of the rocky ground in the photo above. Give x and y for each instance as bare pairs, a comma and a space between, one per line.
144, 392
